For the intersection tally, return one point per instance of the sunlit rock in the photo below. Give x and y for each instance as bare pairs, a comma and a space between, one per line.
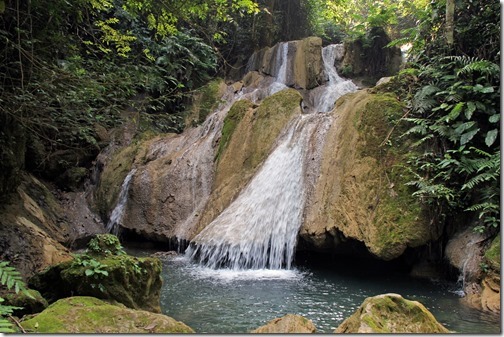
82, 314
391, 313
287, 324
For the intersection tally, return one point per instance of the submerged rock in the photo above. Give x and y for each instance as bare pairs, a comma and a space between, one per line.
287, 324
391, 313
91, 315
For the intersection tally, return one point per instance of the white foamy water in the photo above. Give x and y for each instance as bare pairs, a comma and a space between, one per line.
259, 229
117, 215
325, 97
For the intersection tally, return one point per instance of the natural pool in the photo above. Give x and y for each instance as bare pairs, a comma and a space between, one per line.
225, 301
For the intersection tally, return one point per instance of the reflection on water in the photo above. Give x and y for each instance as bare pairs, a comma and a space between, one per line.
226, 301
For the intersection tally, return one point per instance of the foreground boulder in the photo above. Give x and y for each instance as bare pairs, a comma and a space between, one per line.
27, 305
391, 313
91, 315
287, 324
134, 282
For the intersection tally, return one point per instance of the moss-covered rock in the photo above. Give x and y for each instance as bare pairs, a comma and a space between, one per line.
248, 136
134, 282
391, 313
493, 254
103, 245
91, 315
288, 324
29, 305
361, 192
205, 100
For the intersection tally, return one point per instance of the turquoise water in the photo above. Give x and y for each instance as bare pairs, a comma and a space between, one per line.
225, 301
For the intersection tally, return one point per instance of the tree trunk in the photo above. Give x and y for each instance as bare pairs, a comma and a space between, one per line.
450, 14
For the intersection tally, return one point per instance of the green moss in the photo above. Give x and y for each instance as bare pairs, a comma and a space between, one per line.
270, 118
493, 254
398, 215
91, 315
233, 117
104, 245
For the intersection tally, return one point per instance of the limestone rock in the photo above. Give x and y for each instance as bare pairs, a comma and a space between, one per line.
287, 324
360, 193
134, 282
248, 136
304, 61
91, 315
391, 313
29, 305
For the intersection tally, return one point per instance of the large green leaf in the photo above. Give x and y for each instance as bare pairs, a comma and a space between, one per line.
491, 136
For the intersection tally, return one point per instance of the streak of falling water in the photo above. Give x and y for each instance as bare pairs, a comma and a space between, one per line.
325, 96
259, 229
118, 212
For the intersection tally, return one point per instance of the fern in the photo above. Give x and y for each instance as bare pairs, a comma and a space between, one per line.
11, 278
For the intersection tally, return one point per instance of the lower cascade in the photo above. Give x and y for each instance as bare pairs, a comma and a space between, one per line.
259, 229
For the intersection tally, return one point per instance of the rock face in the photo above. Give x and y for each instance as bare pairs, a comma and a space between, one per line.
467, 252
287, 324
304, 62
134, 282
33, 228
391, 313
360, 193
91, 315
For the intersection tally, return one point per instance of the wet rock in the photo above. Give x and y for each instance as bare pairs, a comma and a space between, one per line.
360, 193
287, 324
91, 315
391, 313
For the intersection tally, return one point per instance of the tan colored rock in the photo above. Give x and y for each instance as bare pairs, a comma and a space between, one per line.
490, 295
247, 145
391, 313
90, 315
361, 192
308, 63
287, 324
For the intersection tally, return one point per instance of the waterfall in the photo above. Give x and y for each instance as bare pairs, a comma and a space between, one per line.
118, 212
325, 97
259, 229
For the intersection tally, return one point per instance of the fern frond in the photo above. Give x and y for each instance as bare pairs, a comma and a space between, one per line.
10, 277
482, 67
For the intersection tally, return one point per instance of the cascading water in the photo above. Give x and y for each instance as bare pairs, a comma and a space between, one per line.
325, 96
118, 212
259, 229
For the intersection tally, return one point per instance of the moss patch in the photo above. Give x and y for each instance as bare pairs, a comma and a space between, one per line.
134, 282
232, 119
205, 100
391, 313
493, 254
397, 214
91, 315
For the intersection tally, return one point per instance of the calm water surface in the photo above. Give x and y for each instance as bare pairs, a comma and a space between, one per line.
225, 301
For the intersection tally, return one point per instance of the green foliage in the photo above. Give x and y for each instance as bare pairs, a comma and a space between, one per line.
104, 245
10, 278
455, 122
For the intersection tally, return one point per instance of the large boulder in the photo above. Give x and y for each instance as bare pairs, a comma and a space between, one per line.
91, 315
287, 324
106, 273
361, 193
31, 304
391, 313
